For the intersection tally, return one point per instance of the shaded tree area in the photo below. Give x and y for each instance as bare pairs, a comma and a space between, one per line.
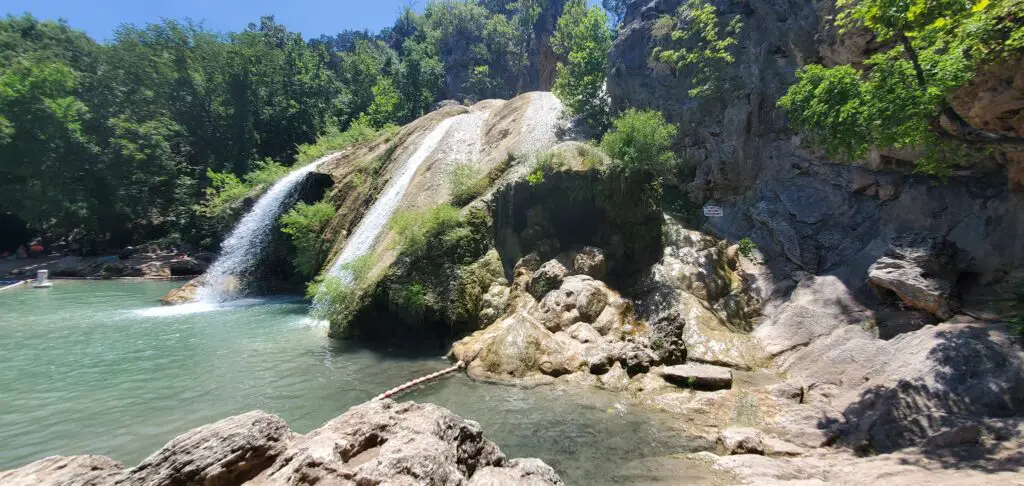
109, 144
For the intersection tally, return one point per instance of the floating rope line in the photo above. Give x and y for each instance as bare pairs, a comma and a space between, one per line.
12, 285
418, 381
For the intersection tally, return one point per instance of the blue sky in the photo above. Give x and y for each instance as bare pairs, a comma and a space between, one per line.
99, 18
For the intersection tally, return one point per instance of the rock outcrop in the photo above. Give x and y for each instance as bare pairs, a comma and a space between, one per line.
921, 270
873, 363
65, 471
380, 442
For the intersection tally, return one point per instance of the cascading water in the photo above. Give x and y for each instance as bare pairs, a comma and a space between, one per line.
366, 233
248, 240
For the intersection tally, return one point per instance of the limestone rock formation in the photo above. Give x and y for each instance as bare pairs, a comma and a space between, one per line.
590, 261
386, 442
230, 451
701, 376
742, 440
380, 442
65, 471
182, 295
678, 295
517, 347
921, 270
547, 278
579, 299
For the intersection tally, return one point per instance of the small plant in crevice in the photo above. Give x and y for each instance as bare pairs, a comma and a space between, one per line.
748, 249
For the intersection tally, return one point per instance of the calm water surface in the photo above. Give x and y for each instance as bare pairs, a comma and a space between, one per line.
95, 367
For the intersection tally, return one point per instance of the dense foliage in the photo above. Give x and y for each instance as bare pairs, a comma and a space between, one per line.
694, 41
641, 141
899, 97
583, 39
306, 224
114, 143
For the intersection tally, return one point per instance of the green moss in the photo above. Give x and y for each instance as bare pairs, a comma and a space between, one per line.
467, 182
341, 301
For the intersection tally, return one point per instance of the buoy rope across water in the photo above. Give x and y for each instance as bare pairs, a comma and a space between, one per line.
418, 381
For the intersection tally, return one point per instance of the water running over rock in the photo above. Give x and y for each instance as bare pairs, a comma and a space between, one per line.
248, 240
377, 217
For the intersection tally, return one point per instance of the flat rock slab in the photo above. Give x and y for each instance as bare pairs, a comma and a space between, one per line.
702, 376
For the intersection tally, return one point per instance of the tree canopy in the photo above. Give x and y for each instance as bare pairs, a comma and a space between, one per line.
899, 97
583, 39
115, 142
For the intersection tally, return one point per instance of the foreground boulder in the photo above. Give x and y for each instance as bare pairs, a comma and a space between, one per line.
230, 451
65, 471
375, 443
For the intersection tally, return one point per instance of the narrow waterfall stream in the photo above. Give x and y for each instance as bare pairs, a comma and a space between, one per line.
461, 134
243, 247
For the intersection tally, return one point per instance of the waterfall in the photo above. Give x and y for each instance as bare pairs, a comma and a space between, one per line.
377, 217
366, 233
242, 249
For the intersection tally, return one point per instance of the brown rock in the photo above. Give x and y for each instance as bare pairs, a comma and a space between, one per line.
742, 440
182, 295
383, 442
230, 451
65, 471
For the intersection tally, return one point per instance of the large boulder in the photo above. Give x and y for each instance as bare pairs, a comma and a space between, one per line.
579, 299
379, 442
922, 270
65, 471
698, 263
525, 472
518, 347
590, 261
897, 393
547, 278
383, 442
230, 451
702, 376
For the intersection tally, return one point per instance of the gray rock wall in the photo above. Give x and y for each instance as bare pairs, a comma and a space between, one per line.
805, 212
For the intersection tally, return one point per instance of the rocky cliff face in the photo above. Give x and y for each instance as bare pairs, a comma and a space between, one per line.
825, 229
815, 215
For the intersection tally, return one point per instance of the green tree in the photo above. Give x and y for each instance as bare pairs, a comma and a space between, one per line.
695, 41
386, 107
361, 69
641, 141
582, 38
899, 97
44, 143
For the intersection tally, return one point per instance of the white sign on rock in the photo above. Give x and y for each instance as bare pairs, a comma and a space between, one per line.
713, 211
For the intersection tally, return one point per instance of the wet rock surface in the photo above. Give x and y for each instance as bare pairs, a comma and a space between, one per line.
379, 442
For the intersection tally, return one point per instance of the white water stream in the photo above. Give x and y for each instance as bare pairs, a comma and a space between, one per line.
242, 249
